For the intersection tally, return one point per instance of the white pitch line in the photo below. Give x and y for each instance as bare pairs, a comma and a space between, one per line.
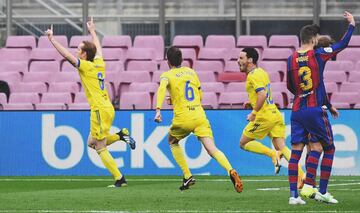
286, 188
149, 211
149, 180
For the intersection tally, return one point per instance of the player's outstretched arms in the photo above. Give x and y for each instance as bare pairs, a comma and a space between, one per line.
62, 50
91, 27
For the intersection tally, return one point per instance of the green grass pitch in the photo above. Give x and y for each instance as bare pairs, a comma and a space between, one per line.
161, 194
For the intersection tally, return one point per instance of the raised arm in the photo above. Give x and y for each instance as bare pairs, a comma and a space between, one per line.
62, 50
95, 39
328, 52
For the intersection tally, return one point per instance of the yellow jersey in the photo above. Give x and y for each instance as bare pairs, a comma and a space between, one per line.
258, 80
92, 75
184, 87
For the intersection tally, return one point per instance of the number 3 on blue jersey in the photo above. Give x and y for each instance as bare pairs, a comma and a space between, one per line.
189, 92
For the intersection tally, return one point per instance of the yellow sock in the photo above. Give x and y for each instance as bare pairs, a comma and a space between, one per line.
259, 148
222, 160
109, 163
179, 157
111, 139
287, 155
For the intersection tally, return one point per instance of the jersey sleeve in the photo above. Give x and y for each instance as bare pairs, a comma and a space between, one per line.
257, 82
328, 52
83, 65
161, 92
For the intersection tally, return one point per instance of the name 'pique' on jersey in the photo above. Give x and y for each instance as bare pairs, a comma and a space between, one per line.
305, 73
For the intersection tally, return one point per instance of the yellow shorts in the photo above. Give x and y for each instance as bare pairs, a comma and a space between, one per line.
100, 122
268, 124
199, 126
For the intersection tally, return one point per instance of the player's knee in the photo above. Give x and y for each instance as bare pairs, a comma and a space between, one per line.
330, 149
317, 148
242, 144
91, 144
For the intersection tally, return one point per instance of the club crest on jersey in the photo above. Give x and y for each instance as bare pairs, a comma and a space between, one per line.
328, 49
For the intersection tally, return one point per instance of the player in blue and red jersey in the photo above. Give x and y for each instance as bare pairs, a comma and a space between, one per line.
309, 121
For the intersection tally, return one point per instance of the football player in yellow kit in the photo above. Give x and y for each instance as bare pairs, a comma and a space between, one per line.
91, 68
265, 118
189, 116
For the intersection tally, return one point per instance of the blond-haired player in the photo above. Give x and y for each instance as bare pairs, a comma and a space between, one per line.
91, 68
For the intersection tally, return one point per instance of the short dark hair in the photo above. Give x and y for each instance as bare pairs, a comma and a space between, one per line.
174, 56
90, 50
251, 53
308, 32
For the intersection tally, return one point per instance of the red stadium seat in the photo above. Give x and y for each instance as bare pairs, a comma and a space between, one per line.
231, 76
